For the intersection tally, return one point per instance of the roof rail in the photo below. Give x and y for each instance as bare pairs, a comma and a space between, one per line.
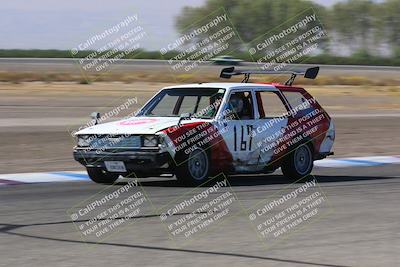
310, 73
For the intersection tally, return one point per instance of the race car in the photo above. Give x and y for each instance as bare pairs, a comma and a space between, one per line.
197, 131
226, 60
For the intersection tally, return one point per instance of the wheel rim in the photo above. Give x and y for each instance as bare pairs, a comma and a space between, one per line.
302, 159
198, 164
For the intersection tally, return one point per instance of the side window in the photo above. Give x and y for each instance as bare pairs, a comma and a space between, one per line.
297, 100
240, 105
270, 105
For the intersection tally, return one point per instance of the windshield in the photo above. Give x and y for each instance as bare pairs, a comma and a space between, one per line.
201, 102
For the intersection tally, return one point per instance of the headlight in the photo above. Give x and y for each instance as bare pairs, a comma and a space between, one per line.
83, 140
150, 140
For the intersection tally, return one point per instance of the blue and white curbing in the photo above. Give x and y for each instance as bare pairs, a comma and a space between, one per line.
357, 161
42, 177
67, 176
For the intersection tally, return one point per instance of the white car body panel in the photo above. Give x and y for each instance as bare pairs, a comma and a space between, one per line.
327, 143
135, 125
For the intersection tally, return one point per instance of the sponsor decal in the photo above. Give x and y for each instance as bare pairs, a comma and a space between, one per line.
137, 122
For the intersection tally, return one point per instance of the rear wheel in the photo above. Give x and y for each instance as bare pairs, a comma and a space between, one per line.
100, 176
195, 170
298, 163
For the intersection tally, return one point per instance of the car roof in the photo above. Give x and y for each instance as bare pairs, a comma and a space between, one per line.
226, 86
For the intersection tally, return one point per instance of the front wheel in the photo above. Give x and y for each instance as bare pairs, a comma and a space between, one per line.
195, 170
100, 176
298, 163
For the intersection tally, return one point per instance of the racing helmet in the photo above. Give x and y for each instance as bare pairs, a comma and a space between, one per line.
236, 103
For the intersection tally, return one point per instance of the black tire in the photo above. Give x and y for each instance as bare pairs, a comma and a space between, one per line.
100, 176
298, 163
196, 168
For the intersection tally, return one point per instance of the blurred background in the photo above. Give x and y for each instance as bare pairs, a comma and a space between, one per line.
360, 31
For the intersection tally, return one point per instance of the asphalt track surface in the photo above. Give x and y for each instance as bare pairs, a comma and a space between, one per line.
72, 65
359, 226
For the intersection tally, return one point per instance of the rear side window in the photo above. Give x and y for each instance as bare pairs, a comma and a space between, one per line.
270, 105
297, 100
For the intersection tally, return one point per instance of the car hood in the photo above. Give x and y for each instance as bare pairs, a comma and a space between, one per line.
134, 125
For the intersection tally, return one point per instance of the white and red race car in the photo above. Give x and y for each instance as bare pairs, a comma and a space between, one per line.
196, 131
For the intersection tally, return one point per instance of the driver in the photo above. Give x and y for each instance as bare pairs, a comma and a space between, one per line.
236, 105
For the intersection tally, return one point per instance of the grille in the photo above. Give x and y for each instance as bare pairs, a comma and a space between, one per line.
115, 141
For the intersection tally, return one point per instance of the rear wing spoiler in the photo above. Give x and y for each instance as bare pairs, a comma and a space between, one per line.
310, 73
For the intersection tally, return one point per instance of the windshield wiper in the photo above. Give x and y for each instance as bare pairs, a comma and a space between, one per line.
202, 117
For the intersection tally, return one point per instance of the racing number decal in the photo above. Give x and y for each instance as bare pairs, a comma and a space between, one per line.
246, 138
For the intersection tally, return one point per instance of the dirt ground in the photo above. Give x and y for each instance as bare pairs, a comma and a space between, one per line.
36, 119
34, 99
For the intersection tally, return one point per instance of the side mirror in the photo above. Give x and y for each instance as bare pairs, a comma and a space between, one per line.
184, 116
95, 116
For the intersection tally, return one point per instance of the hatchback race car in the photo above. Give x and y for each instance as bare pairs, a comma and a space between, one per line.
226, 60
196, 131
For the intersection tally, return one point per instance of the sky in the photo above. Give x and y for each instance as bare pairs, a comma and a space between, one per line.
56, 24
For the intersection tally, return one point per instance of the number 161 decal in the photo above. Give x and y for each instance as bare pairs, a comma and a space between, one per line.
245, 137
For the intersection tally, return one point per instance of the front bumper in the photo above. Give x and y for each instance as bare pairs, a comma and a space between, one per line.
150, 161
